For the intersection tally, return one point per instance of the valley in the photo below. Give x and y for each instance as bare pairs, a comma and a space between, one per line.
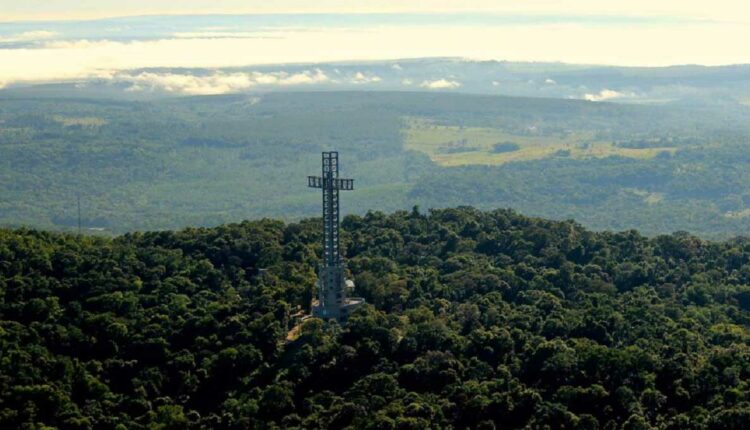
174, 162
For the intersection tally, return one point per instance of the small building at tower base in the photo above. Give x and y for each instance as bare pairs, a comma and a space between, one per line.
333, 301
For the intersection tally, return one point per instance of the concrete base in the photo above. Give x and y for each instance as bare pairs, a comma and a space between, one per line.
340, 312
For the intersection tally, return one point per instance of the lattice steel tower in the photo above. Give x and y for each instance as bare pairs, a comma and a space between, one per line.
332, 300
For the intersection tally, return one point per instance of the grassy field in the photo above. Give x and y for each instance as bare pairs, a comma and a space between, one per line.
87, 121
648, 197
455, 146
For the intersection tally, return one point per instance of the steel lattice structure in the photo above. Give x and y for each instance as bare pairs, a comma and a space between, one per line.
332, 301
330, 183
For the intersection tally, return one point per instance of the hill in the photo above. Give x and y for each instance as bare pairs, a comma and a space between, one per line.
172, 162
724, 86
475, 320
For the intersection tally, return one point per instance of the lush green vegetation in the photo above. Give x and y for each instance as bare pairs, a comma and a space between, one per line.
462, 146
475, 320
505, 147
209, 160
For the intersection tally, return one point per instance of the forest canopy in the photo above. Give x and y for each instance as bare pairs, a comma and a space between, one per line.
474, 320
205, 161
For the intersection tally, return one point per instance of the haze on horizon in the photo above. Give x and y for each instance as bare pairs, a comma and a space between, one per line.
42, 42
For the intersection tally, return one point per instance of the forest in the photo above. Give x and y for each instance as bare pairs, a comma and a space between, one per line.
175, 162
475, 319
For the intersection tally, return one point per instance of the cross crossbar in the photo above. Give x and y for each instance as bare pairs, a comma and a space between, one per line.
330, 183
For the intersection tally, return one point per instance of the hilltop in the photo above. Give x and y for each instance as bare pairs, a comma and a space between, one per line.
474, 319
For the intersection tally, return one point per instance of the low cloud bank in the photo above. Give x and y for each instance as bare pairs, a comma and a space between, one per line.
606, 94
440, 84
362, 78
221, 34
224, 82
28, 36
217, 83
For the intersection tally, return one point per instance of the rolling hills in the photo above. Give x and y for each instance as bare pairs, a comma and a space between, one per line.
204, 160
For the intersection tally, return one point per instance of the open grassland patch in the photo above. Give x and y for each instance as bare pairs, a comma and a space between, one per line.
450, 145
87, 121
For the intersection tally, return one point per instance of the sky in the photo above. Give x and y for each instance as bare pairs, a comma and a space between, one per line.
14, 10
53, 40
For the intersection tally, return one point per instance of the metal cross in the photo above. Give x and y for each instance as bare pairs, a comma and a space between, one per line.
331, 184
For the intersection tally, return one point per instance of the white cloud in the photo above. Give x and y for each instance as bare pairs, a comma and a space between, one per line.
549, 81
397, 67
86, 45
221, 35
440, 84
707, 44
406, 81
361, 78
28, 36
315, 77
606, 94
495, 83
217, 83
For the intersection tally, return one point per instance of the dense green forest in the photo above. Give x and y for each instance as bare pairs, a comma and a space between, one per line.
474, 320
177, 162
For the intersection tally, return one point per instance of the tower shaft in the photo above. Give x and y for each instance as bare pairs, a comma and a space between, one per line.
331, 256
332, 301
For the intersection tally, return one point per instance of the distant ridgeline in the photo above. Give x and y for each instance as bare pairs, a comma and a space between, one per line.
473, 320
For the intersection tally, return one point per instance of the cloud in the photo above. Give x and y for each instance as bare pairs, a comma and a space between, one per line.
28, 36
82, 45
59, 60
495, 83
406, 81
397, 67
222, 35
361, 78
77, 9
217, 83
440, 84
549, 81
606, 94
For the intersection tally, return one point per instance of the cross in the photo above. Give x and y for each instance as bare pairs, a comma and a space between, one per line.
330, 183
